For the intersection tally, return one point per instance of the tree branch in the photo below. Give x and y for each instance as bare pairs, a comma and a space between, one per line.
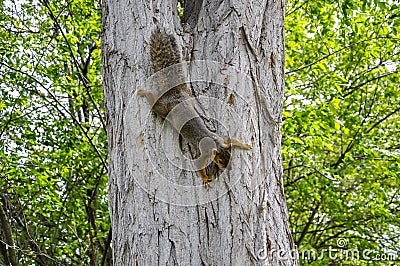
6, 228
337, 51
309, 222
354, 88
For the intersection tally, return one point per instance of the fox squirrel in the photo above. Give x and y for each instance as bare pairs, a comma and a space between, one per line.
173, 101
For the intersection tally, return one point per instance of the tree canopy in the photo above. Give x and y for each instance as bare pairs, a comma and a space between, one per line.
53, 160
341, 129
341, 139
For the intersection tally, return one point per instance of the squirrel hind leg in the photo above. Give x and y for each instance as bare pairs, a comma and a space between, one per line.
151, 98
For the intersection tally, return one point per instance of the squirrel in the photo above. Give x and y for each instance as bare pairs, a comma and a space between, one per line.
173, 101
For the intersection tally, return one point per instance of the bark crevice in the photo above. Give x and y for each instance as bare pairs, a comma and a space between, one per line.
191, 12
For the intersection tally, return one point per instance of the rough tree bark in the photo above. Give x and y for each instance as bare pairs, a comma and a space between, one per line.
160, 212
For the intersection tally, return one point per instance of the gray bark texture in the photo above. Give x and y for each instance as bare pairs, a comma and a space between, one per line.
161, 213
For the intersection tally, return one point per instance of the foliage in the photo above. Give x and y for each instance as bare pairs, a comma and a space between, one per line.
54, 145
341, 131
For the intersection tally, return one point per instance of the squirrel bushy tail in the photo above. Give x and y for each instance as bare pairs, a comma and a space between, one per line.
164, 51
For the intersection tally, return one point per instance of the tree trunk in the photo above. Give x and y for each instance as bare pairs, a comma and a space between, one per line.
160, 211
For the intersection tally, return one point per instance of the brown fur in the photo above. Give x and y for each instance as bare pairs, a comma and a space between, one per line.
174, 102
